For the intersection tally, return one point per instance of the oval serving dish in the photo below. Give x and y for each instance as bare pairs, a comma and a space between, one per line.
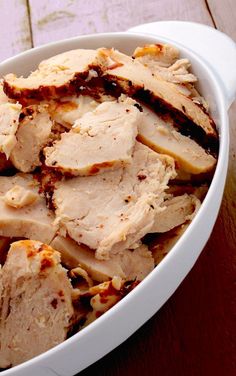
217, 83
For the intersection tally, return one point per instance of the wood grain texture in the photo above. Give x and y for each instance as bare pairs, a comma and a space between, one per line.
15, 30
224, 13
53, 20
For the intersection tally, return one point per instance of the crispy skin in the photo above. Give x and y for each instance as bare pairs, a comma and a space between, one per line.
60, 76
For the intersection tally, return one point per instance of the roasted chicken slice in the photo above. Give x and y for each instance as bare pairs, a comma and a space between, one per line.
136, 79
161, 136
9, 122
68, 73
176, 211
36, 302
102, 139
69, 109
128, 264
33, 133
23, 212
164, 60
126, 202
58, 76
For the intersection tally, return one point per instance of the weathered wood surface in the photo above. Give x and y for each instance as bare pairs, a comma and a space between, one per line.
224, 13
52, 20
14, 28
194, 333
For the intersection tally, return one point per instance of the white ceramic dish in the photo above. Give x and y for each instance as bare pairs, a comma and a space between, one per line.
217, 77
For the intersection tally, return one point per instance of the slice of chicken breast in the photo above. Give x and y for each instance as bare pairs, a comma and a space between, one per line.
162, 137
69, 109
9, 121
114, 210
23, 212
177, 210
58, 76
68, 73
32, 135
101, 139
135, 78
164, 60
3, 97
36, 302
128, 264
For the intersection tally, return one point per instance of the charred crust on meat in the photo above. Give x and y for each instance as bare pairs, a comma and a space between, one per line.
160, 46
98, 166
128, 199
54, 303
186, 126
139, 107
46, 263
47, 178
141, 177
48, 92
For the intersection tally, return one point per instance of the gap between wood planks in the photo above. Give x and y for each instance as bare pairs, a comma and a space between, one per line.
30, 23
209, 11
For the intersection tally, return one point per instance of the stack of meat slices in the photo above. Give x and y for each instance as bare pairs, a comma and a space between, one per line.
104, 160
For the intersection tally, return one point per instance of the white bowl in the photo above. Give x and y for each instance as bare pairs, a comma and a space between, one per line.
218, 85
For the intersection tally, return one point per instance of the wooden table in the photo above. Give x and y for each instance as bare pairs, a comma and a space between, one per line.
194, 333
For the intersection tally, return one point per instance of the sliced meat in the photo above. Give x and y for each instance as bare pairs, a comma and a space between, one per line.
36, 302
32, 135
103, 297
162, 137
136, 79
18, 197
162, 243
58, 76
73, 255
101, 139
164, 60
137, 263
68, 73
114, 210
164, 54
3, 97
177, 210
9, 121
68, 110
128, 264
32, 220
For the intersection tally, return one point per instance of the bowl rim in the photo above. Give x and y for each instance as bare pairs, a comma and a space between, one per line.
221, 167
